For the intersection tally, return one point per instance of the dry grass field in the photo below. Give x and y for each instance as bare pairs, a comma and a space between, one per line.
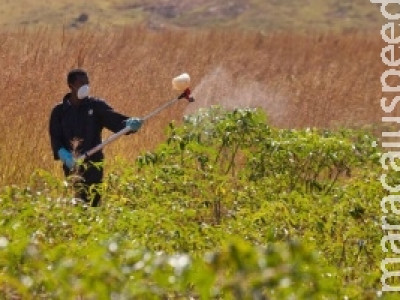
323, 80
291, 15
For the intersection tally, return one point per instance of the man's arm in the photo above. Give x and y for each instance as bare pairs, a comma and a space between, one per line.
109, 118
55, 130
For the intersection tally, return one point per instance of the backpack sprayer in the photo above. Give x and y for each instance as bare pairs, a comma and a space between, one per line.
180, 83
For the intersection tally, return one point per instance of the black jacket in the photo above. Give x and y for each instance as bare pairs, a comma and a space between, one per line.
84, 122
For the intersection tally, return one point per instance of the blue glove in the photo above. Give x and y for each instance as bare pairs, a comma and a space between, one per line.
66, 157
134, 123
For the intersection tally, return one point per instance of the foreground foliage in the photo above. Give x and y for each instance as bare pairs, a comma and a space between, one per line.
228, 207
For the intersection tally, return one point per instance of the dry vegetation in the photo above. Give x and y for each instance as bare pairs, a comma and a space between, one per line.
301, 80
292, 15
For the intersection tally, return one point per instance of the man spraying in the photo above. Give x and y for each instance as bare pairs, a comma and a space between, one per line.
75, 127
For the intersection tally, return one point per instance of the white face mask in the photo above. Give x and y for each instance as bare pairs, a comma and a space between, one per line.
83, 91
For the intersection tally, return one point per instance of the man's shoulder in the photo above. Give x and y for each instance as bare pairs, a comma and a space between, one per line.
58, 107
98, 102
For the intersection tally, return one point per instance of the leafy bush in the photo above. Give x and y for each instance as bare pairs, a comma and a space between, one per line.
227, 208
